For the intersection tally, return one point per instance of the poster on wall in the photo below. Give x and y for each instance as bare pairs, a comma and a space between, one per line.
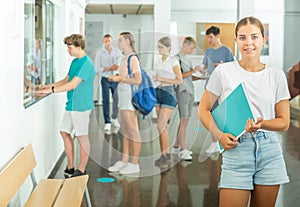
266, 48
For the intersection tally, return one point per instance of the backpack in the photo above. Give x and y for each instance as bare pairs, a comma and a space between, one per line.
144, 97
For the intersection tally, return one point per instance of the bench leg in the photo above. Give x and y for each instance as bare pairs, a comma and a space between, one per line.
33, 179
87, 197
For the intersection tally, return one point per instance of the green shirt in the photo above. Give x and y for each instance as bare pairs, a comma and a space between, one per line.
81, 98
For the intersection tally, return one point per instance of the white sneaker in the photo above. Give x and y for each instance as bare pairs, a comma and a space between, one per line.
185, 155
130, 169
117, 166
115, 123
176, 150
107, 127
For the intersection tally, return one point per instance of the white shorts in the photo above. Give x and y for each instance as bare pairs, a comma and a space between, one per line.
125, 96
77, 121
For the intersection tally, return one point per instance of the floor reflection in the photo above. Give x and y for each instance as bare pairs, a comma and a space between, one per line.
185, 183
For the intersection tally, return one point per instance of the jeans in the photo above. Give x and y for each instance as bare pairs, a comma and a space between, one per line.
107, 85
256, 160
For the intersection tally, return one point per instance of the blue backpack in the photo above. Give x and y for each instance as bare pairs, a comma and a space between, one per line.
144, 97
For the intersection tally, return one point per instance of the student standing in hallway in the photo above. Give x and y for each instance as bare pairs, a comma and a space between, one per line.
217, 53
167, 74
185, 97
106, 65
79, 85
128, 115
253, 167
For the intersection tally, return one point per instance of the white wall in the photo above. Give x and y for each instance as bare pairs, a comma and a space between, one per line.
151, 27
187, 13
272, 12
38, 124
291, 33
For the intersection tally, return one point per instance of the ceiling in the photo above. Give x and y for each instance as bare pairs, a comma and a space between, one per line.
133, 9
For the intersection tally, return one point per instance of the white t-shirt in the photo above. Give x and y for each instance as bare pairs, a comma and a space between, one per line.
264, 88
165, 69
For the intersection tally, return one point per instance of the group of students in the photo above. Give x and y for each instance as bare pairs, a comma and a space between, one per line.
174, 81
253, 166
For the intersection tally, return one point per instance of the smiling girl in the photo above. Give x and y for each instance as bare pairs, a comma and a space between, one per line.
252, 166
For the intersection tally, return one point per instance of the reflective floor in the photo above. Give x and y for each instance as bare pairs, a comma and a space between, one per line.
185, 183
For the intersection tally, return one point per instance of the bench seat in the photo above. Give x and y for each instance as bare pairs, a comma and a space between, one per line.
48, 192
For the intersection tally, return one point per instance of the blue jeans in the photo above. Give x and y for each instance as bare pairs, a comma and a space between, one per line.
107, 85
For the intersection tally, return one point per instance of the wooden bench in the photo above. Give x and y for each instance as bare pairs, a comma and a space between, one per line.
48, 192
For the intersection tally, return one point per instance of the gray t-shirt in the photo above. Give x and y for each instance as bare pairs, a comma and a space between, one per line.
185, 65
212, 56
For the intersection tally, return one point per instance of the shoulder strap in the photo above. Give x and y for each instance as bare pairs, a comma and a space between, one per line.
128, 63
179, 58
179, 62
128, 69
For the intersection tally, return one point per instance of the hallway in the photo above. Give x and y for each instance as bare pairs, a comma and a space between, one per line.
186, 183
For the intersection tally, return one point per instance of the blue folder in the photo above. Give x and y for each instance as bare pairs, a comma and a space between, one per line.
231, 114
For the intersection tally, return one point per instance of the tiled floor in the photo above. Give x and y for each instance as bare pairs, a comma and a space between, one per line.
186, 183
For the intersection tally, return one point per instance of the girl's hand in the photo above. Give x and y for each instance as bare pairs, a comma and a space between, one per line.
228, 141
252, 126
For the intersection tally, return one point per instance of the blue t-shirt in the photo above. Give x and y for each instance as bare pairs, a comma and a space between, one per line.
212, 56
81, 98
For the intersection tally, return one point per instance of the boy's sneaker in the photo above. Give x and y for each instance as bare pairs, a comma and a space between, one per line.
130, 169
115, 123
78, 173
117, 166
68, 172
107, 127
185, 155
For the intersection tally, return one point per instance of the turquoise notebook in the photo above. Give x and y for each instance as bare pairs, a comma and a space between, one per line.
231, 114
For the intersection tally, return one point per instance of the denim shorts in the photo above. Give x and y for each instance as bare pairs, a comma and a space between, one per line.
257, 160
166, 96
